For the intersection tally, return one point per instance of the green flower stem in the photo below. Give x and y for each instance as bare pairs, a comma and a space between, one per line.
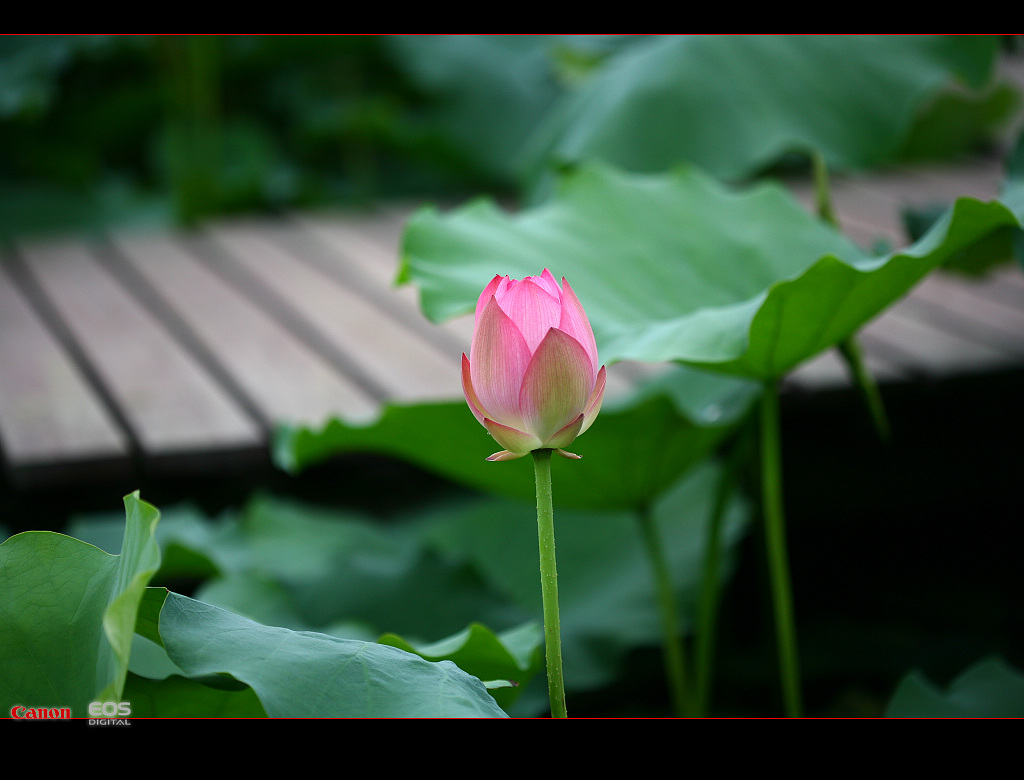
851, 352
710, 595
823, 190
549, 583
850, 348
705, 635
672, 642
778, 563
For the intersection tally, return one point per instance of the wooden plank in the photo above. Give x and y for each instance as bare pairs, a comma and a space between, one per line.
1003, 285
960, 305
363, 253
370, 242
980, 178
281, 377
170, 403
380, 353
369, 247
931, 352
50, 417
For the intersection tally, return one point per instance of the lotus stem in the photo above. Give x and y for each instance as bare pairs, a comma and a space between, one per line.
549, 583
849, 348
710, 591
823, 189
854, 357
672, 641
778, 563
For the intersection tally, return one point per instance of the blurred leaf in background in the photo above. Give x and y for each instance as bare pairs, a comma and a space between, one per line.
991, 688
735, 105
75, 115
97, 130
482, 96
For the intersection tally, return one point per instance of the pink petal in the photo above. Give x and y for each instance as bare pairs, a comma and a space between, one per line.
571, 455
467, 388
547, 281
485, 296
505, 455
574, 321
512, 439
498, 360
566, 436
532, 309
557, 384
595, 400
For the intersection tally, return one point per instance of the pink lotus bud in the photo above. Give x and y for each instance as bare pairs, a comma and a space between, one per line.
532, 377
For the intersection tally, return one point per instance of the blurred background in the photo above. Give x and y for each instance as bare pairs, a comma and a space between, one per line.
97, 130
169, 129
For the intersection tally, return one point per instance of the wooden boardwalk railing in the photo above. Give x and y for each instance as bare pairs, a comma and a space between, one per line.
174, 352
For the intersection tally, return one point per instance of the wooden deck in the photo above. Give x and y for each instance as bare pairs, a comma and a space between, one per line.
168, 353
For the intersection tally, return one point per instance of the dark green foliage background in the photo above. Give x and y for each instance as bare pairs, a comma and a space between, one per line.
155, 129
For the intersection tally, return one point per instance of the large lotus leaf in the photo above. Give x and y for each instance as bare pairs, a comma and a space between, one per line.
989, 689
998, 247
734, 104
959, 122
678, 267
506, 662
180, 697
68, 612
635, 450
158, 687
307, 675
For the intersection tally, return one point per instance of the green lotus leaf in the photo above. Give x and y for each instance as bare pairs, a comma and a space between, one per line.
179, 697
989, 689
735, 104
679, 267
298, 674
68, 612
506, 662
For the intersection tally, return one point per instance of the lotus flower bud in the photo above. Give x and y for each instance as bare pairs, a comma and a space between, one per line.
532, 378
